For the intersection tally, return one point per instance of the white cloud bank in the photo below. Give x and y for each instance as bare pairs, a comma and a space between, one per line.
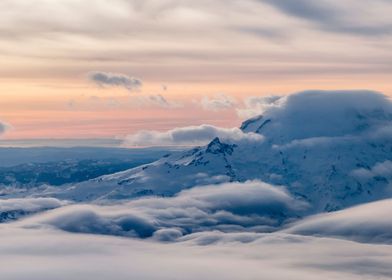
29, 204
189, 136
115, 80
365, 223
12, 209
42, 254
250, 206
214, 252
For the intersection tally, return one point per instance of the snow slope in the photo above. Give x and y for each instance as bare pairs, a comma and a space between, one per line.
319, 144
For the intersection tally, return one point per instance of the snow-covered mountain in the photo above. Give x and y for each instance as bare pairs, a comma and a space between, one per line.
331, 149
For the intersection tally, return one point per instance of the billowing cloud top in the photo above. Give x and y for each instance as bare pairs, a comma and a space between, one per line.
366, 223
227, 207
117, 80
313, 114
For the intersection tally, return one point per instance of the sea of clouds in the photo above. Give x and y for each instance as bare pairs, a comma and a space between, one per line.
248, 230
153, 239
252, 206
46, 254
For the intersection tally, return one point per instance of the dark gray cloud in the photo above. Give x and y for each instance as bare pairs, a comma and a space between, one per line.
329, 16
115, 80
307, 9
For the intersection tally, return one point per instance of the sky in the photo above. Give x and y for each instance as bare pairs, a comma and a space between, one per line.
108, 69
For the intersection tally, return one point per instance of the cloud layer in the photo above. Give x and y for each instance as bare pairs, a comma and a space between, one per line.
238, 43
257, 105
332, 18
365, 223
223, 256
250, 206
12, 209
188, 136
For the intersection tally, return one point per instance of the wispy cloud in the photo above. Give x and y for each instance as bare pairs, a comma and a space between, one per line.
160, 101
218, 102
335, 17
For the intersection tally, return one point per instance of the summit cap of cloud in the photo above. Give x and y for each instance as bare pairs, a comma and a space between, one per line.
315, 114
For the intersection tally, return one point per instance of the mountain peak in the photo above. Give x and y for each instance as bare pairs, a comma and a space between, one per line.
216, 147
247, 123
304, 151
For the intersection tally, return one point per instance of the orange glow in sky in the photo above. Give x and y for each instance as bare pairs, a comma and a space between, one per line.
196, 62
